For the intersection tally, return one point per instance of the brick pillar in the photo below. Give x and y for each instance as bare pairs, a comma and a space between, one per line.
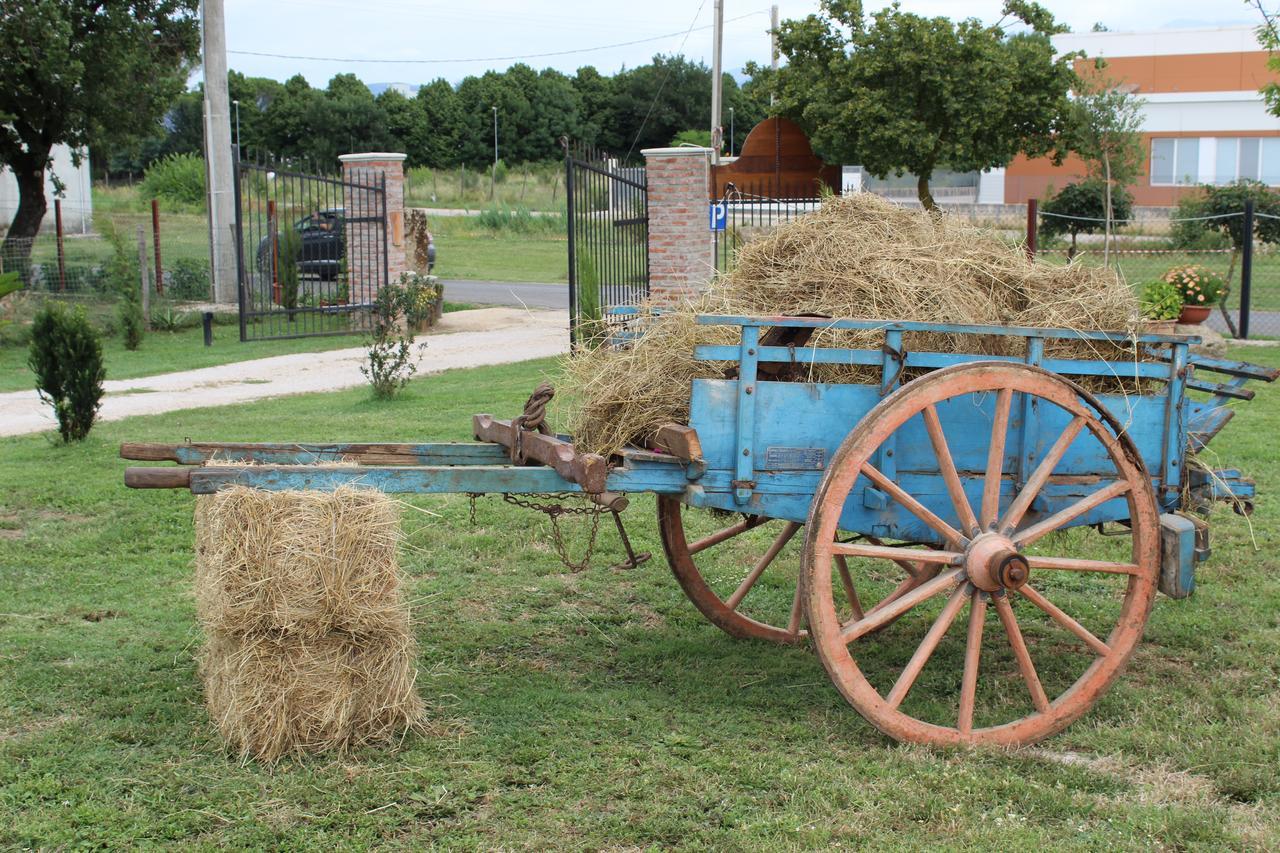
681, 247
361, 174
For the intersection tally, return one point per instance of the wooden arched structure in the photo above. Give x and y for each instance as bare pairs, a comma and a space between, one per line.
777, 161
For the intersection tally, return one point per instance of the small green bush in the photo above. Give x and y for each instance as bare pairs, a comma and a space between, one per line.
177, 178
289, 246
519, 220
1161, 300
66, 357
132, 323
189, 280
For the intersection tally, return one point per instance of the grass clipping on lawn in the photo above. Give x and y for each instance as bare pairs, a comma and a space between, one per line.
309, 646
857, 257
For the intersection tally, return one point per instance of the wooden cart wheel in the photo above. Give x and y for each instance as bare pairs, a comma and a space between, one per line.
987, 559
725, 600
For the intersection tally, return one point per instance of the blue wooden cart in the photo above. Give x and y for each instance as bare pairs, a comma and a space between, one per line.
954, 482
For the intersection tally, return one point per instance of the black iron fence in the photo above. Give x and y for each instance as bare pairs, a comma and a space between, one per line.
311, 250
608, 224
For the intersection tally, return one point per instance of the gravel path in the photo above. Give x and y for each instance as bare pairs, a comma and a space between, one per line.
463, 339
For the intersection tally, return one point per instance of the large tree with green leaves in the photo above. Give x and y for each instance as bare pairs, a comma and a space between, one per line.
76, 72
900, 93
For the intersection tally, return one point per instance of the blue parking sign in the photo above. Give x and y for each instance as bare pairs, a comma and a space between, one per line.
716, 216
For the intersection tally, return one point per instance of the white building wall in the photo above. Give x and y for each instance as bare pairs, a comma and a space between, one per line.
77, 202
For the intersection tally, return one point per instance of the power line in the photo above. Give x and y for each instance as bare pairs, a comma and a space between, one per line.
667, 76
496, 58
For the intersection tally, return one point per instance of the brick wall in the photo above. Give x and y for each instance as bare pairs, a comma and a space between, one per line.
681, 248
364, 252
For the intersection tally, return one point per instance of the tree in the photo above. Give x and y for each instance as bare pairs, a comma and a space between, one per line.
442, 116
1085, 207
1105, 130
903, 93
82, 71
1269, 38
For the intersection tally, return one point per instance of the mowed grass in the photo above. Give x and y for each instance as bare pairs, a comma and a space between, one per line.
581, 710
466, 249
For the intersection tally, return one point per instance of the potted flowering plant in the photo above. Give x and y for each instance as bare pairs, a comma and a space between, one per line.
1200, 288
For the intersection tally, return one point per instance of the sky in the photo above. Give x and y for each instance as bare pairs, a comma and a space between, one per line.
420, 35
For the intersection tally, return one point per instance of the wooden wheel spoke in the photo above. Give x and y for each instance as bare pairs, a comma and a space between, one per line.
1064, 620
913, 506
1027, 535
1041, 475
855, 604
947, 465
778, 544
882, 616
727, 533
972, 654
895, 554
1070, 564
1025, 666
995, 459
927, 647
793, 623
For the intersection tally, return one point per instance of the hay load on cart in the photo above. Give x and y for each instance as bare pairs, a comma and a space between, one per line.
962, 485
857, 256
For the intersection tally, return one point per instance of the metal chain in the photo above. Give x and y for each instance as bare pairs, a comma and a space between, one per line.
553, 511
471, 498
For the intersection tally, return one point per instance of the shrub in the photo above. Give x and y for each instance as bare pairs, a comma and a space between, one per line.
1219, 209
700, 138
389, 361
1081, 208
1196, 285
500, 172
189, 279
519, 220
1161, 300
66, 357
289, 247
132, 323
177, 178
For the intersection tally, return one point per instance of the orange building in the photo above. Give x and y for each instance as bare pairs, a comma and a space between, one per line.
1204, 121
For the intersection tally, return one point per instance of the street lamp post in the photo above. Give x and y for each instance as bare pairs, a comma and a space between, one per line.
730, 131
493, 176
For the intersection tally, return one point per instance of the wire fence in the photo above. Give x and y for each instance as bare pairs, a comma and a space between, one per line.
172, 250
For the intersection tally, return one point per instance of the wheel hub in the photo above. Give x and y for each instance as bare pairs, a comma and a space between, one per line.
992, 562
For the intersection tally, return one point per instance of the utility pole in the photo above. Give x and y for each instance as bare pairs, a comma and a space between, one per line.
217, 151
730, 131
773, 45
717, 132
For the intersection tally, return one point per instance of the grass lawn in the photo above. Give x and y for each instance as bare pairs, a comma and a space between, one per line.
467, 250
581, 710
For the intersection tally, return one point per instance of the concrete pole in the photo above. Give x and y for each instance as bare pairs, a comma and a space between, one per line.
717, 132
773, 44
217, 152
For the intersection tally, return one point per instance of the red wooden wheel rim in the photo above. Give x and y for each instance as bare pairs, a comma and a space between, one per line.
829, 633
717, 611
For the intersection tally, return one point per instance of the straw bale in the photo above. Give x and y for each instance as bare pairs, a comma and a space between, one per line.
309, 645
272, 695
856, 257
297, 561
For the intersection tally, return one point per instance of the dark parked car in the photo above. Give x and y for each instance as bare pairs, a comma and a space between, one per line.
324, 245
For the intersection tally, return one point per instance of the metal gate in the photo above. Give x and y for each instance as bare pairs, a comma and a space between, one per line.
608, 224
311, 250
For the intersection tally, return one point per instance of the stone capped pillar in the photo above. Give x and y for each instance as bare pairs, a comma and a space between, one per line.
362, 176
681, 246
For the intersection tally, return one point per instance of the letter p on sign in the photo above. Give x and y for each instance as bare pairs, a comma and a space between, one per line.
716, 216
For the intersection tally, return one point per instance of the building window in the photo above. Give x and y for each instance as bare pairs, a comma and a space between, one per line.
1175, 162
1254, 158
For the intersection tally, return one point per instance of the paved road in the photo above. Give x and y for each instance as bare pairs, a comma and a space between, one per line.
518, 293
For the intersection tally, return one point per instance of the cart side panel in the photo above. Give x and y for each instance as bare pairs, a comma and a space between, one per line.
799, 426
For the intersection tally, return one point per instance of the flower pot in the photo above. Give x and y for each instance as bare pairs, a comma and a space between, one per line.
1192, 314
1159, 327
